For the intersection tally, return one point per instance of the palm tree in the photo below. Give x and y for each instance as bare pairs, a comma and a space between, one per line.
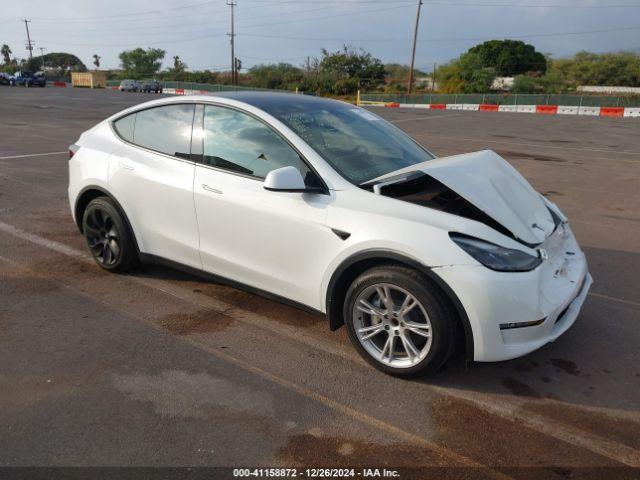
96, 60
6, 53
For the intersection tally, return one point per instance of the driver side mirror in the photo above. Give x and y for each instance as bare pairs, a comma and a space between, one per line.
285, 179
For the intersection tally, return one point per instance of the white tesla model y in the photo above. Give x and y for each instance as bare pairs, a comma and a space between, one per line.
327, 206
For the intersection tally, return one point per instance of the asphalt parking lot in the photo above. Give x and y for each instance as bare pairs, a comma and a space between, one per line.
158, 368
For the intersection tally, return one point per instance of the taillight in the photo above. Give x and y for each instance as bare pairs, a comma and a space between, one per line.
71, 152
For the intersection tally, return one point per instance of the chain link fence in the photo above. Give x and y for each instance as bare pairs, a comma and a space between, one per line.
206, 87
507, 99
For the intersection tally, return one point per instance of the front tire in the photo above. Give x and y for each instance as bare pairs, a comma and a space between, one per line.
399, 321
108, 237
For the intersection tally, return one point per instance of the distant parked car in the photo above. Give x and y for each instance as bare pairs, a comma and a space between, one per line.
6, 79
151, 86
29, 79
129, 86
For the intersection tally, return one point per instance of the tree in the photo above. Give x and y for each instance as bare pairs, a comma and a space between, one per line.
139, 63
475, 70
278, 76
510, 57
6, 53
56, 60
96, 60
621, 69
467, 74
178, 66
346, 70
524, 84
398, 76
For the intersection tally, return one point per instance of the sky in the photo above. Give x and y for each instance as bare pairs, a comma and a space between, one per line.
290, 30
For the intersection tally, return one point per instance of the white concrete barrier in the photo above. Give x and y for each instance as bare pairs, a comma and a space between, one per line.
423, 105
454, 106
567, 110
169, 90
507, 108
407, 105
470, 106
631, 112
592, 111
526, 109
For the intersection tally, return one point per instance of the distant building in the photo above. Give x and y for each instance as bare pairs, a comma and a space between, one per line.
504, 84
608, 90
93, 79
426, 82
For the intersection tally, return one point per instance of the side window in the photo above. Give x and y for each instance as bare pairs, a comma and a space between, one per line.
238, 142
165, 129
125, 125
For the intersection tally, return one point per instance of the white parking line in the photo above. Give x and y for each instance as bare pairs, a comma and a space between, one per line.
614, 299
510, 410
11, 157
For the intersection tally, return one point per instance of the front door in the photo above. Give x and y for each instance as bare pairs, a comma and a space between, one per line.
273, 241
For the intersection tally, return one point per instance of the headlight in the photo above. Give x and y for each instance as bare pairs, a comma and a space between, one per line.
496, 257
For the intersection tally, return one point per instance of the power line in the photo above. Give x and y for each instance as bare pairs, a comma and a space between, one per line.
361, 40
515, 35
120, 15
208, 34
173, 26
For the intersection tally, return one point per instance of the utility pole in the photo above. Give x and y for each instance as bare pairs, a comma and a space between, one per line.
42, 49
232, 4
238, 66
415, 40
433, 77
29, 43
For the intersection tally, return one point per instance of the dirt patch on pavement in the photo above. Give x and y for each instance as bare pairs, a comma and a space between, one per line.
566, 365
308, 449
623, 430
528, 156
474, 432
518, 388
203, 321
259, 305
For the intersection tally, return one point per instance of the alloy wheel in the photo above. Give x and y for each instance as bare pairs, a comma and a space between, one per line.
392, 325
103, 237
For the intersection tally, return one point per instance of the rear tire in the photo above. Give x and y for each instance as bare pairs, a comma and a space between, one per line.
108, 237
399, 321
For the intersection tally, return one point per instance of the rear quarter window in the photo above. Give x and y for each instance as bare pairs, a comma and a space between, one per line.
165, 129
125, 127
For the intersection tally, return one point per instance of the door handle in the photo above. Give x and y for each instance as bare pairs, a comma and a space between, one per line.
125, 166
211, 189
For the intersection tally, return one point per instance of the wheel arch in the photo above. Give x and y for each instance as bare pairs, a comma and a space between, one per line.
91, 192
354, 265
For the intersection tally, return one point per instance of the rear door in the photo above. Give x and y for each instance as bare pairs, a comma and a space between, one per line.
273, 241
152, 177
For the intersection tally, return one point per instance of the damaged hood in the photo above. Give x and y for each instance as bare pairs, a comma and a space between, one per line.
491, 184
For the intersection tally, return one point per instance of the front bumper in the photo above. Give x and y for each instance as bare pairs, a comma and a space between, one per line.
554, 292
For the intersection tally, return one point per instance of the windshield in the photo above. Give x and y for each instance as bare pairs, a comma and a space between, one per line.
358, 144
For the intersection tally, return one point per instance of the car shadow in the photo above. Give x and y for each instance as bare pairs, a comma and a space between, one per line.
590, 365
